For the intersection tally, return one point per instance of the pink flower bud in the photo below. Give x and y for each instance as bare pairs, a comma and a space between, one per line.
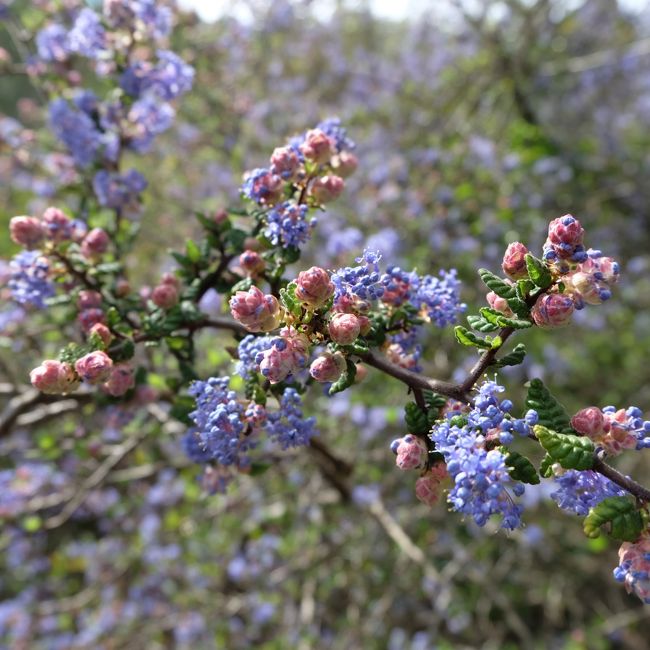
171, 279
220, 216
317, 147
498, 303
255, 311
589, 421
285, 162
95, 243
327, 367
395, 353
122, 288
588, 289
362, 373
58, 224
27, 231
255, 415
165, 296
327, 188
88, 299
54, 378
411, 452
344, 329
428, 488
252, 262
121, 379
345, 163
276, 364
104, 334
94, 367
553, 310
634, 564
564, 235
314, 287
514, 261
88, 318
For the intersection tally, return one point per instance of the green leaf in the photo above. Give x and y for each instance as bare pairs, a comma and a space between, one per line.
242, 285
259, 468
520, 468
621, 517
345, 380
572, 452
538, 272
183, 261
193, 252
513, 358
416, 419
523, 288
516, 323
546, 466
289, 300
519, 307
551, 413
464, 336
497, 284
479, 324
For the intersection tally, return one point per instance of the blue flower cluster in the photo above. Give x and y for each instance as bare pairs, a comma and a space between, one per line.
87, 36
580, 491
148, 118
170, 78
288, 225
220, 422
332, 127
29, 281
362, 281
118, 191
481, 478
248, 350
287, 426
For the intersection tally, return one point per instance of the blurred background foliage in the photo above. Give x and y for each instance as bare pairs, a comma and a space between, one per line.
476, 123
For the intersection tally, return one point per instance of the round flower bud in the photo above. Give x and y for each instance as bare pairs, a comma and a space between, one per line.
26, 231
276, 363
285, 162
220, 216
165, 296
634, 567
317, 147
104, 334
58, 224
427, 489
344, 329
122, 288
314, 287
589, 290
252, 262
54, 378
565, 235
121, 379
327, 367
326, 189
361, 374
553, 310
95, 243
498, 303
88, 318
589, 421
345, 163
255, 311
411, 452
514, 261
94, 367
89, 299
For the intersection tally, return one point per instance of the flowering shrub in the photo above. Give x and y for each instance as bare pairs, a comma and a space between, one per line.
299, 331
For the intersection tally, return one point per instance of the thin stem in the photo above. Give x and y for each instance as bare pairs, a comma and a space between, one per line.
485, 360
621, 480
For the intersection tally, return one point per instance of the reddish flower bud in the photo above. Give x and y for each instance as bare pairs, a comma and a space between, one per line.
58, 224
589, 289
362, 373
252, 262
565, 234
514, 261
54, 378
122, 288
327, 367
89, 299
276, 364
220, 216
100, 330
171, 279
344, 329
95, 243
326, 188
255, 311
553, 310
88, 318
121, 379
411, 452
428, 488
345, 163
589, 421
285, 162
27, 231
165, 296
314, 287
94, 367
634, 567
317, 147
